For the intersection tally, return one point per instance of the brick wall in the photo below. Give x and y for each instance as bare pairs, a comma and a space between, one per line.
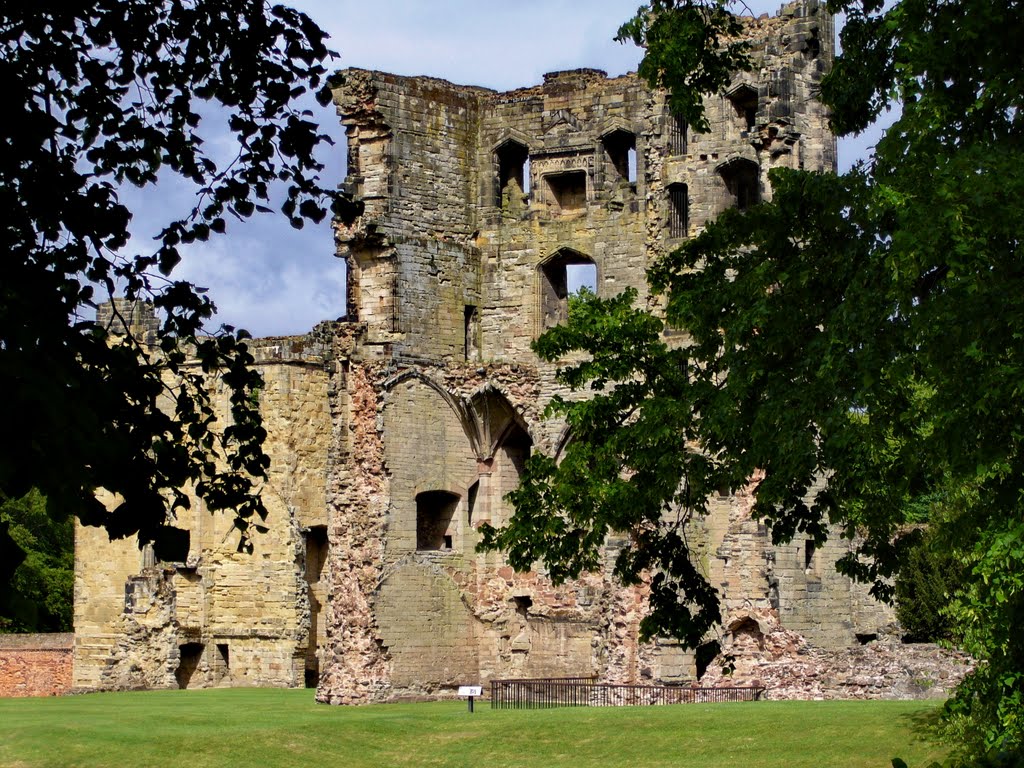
35, 665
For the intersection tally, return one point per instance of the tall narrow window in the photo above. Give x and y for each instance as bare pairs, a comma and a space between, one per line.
679, 210
472, 332
223, 659
744, 101
474, 490
512, 159
316, 552
620, 149
676, 135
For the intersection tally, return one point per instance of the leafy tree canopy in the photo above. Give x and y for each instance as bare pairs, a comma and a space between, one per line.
40, 594
100, 94
866, 327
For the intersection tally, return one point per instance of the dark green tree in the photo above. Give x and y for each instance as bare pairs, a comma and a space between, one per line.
866, 327
924, 590
40, 595
101, 94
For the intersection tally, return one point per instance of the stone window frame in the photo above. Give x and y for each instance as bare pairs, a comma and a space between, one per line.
678, 210
616, 144
511, 158
742, 179
553, 288
441, 506
556, 194
678, 135
746, 103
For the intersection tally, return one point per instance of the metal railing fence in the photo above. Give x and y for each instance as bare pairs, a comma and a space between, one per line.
541, 693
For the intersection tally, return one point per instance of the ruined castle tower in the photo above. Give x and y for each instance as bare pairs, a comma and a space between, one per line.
395, 433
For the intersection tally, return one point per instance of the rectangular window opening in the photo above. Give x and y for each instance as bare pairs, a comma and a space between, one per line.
620, 148
472, 332
435, 515
679, 210
316, 552
677, 135
513, 161
809, 549
569, 189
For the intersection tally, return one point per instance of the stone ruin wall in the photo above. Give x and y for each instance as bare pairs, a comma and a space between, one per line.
395, 434
222, 617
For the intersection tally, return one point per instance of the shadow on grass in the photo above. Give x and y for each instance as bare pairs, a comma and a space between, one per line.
926, 724
927, 727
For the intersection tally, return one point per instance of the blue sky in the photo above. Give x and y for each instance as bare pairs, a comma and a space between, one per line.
273, 280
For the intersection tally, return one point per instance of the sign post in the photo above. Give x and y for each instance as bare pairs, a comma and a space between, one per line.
471, 691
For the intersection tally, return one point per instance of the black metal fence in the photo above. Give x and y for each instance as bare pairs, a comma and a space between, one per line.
541, 693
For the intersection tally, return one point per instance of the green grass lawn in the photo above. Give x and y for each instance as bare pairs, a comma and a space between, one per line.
220, 728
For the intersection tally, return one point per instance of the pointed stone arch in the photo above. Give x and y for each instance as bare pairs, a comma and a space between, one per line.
744, 100
511, 165
486, 414
618, 140
554, 284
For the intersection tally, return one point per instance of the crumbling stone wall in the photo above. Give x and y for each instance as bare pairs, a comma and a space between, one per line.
221, 617
480, 207
395, 434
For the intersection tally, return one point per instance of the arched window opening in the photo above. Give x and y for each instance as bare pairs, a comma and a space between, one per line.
744, 101
678, 210
741, 179
620, 148
517, 445
704, 655
747, 637
512, 159
435, 518
561, 276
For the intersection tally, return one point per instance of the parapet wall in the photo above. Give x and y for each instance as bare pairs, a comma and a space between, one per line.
35, 665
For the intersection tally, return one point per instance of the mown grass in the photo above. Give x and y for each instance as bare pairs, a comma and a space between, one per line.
248, 727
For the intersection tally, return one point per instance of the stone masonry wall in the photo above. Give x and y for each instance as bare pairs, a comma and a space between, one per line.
480, 209
35, 665
222, 617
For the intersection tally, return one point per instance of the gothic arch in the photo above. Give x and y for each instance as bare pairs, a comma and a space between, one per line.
553, 284
484, 428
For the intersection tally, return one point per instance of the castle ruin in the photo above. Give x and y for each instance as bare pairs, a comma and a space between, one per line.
396, 432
